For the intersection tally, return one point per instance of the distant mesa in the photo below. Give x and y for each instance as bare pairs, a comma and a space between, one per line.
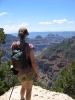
52, 35
38, 37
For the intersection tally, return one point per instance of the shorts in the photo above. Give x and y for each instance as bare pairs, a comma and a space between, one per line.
27, 77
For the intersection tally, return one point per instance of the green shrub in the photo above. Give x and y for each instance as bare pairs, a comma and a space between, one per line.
7, 79
66, 83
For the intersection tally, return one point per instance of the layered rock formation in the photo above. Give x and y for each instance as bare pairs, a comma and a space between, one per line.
39, 42
53, 60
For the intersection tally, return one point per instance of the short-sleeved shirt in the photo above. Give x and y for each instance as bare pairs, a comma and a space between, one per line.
27, 52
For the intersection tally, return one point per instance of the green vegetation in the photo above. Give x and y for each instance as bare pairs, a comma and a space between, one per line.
2, 36
66, 83
7, 79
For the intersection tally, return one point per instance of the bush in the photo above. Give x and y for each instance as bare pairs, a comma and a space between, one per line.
7, 79
66, 83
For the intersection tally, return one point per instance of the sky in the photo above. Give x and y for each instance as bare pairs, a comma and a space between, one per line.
37, 15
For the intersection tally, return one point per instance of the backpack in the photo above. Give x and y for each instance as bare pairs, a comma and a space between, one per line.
18, 57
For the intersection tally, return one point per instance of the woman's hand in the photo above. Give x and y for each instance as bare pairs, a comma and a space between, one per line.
36, 76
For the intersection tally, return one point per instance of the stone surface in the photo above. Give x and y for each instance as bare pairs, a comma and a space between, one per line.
37, 94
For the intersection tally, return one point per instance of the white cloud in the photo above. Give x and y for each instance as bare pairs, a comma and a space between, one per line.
3, 13
60, 21
7, 26
14, 28
45, 23
23, 24
70, 22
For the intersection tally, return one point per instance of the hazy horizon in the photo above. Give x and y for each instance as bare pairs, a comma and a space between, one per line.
66, 34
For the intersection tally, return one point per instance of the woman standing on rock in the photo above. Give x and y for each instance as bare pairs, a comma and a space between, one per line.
26, 76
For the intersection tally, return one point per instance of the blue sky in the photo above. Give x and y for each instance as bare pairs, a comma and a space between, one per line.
37, 15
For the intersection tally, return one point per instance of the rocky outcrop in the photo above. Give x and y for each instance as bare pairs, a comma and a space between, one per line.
38, 37
45, 57
54, 57
59, 51
61, 64
38, 93
41, 63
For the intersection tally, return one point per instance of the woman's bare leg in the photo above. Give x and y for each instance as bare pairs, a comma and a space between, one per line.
22, 92
28, 89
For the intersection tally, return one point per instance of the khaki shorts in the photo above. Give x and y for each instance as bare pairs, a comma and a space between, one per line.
27, 77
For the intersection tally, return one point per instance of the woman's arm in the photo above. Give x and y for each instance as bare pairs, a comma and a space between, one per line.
34, 65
